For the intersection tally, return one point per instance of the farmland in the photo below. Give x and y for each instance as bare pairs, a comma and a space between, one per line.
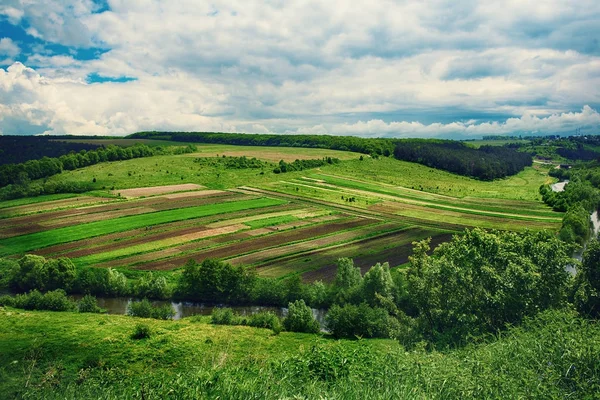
156, 213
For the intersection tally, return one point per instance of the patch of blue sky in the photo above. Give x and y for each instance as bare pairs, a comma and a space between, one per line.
97, 78
101, 6
30, 45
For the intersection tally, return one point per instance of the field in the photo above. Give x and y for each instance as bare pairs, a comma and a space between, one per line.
156, 213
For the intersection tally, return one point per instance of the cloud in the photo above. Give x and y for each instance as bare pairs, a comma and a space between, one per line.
8, 48
425, 67
588, 120
65, 106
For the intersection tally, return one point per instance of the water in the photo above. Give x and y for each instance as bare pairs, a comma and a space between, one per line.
119, 305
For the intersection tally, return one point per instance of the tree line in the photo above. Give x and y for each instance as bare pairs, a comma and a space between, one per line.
378, 146
485, 163
19, 149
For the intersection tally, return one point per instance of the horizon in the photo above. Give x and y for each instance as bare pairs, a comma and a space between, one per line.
432, 69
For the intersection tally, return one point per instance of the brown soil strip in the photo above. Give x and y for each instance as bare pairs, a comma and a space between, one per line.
154, 190
204, 233
257, 243
201, 193
155, 255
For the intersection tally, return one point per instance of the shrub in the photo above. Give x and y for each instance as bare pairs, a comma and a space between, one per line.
300, 318
265, 319
141, 331
145, 309
223, 316
88, 304
57, 300
153, 287
361, 321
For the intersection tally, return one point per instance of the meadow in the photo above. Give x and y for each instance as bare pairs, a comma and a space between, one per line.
294, 223
89, 356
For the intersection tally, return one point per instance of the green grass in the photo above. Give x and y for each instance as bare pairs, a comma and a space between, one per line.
523, 186
68, 355
482, 206
21, 244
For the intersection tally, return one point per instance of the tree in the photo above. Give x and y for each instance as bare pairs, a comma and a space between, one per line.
347, 281
378, 281
481, 281
300, 318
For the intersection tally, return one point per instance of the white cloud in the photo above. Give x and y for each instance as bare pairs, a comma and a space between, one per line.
588, 119
8, 47
310, 66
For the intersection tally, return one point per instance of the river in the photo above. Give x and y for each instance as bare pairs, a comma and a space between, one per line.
119, 305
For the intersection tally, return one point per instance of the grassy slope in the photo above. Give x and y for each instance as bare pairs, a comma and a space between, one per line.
523, 186
67, 355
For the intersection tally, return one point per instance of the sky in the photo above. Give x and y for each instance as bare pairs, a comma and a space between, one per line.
428, 68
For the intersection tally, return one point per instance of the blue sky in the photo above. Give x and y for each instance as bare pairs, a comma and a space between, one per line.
431, 68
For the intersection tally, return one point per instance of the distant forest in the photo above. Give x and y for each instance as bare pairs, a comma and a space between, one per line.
485, 163
383, 147
19, 149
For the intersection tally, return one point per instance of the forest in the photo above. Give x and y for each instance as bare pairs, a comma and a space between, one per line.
19, 149
486, 162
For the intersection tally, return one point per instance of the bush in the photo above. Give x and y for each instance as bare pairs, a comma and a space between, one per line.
352, 321
265, 319
56, 300
141, 331
223, 316
88, 304
145, 309
300, 318
153, 287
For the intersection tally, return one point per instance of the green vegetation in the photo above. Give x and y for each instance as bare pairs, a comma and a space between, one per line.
587, 282
486, 315
87, 356
145, 309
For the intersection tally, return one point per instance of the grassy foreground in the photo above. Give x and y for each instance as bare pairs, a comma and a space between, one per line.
68, 355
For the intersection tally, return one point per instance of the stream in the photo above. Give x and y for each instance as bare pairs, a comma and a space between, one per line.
119, 305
